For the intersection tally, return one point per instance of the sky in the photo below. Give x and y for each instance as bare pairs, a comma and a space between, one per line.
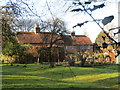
92, 29
59, 8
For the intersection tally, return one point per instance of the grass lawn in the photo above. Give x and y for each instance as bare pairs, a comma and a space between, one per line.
41, 76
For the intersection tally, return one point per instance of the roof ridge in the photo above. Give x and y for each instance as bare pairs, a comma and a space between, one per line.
80, 36
24, 32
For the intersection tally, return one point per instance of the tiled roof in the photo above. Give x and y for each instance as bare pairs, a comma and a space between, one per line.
77, 40
45, 37
81, 39
31, 37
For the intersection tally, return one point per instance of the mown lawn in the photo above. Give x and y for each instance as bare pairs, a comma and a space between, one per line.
41, 76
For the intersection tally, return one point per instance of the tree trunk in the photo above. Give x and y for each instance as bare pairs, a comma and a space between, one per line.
51, 59
52, 64
83, 62
11, 63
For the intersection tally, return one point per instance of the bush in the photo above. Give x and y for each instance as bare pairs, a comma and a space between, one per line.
8, 59
26, 59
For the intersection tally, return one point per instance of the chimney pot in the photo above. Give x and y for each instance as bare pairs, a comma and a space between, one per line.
73, 33
36, 29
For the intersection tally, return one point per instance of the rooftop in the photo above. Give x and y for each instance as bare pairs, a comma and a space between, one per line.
46, 37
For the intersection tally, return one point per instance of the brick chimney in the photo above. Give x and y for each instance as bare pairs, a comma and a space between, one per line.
36, 29
73, 33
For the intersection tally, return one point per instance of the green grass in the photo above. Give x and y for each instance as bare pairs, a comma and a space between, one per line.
41, 76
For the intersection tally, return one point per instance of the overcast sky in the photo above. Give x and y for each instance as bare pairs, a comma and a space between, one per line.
59, 8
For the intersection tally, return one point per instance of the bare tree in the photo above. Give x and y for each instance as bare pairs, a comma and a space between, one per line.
25, 25
57, 31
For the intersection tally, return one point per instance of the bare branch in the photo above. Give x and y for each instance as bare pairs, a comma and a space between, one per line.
49, 10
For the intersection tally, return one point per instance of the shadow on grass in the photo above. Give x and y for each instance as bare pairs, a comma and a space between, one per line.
109, 82
58, 72
50, 83
42, 76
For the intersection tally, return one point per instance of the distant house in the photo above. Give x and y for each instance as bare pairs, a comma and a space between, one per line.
69, 44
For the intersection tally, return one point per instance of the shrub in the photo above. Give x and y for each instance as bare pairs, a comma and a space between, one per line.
8, 59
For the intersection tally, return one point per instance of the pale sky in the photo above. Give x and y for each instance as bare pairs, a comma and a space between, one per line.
92, 29
59, 7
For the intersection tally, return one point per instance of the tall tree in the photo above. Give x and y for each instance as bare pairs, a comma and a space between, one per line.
10, 45
57, 29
